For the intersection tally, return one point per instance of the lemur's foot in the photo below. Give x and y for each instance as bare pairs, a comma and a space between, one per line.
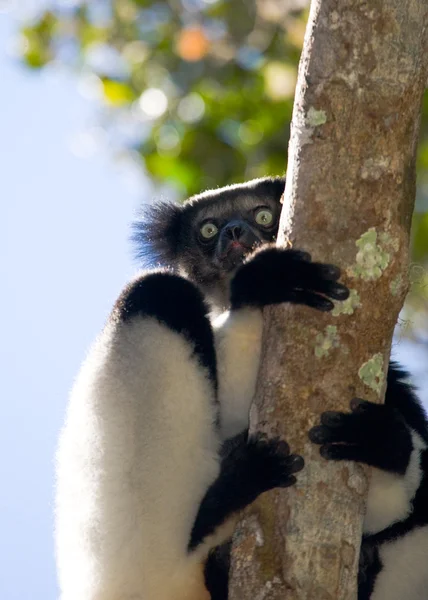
374, 434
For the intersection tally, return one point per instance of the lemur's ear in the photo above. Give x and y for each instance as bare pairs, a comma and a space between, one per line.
272, 187
155, 235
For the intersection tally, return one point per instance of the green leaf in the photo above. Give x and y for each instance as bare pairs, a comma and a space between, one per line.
117, 93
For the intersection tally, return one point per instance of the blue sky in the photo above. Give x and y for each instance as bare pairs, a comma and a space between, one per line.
64, 255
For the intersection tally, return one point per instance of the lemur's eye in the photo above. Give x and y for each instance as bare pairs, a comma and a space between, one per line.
264, 217
208, 231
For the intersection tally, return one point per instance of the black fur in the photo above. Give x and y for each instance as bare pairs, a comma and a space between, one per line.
156, 234
370, 563
217, 572
370, 566
249, 468
272, 276
417, 518
176, 302
374, 434
401, 395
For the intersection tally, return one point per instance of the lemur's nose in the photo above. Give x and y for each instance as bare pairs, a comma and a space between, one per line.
234, 231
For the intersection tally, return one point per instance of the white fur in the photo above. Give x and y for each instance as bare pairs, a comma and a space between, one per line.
137, 453
405, 568
390, 495
238, 343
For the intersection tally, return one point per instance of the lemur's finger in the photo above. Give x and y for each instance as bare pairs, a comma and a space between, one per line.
284, 483
338, 291
300, 255
348, 428
295, 463
311, 299
327, 271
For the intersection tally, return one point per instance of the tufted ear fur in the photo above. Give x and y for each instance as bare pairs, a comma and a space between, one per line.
155, 235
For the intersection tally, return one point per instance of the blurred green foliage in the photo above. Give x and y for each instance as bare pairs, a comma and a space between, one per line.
208, 84
201, 91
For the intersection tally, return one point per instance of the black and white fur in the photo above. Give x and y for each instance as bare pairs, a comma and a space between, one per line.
392, 438
147, 482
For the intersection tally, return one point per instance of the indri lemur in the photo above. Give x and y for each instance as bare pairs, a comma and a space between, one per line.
149, 479
207, 239
142, 496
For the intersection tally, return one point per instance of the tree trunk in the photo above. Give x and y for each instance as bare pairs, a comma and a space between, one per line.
348, 200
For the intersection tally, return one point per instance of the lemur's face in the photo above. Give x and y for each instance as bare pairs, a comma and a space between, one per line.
217, 236
224, 235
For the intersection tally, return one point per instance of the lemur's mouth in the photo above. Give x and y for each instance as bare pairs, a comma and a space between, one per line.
235, 255
238, 247
235, 251
235, 248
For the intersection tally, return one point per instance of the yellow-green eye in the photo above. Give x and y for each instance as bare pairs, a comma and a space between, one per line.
208, 231
264, 217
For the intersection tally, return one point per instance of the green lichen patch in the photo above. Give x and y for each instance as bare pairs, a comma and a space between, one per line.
326, 341
315, 118
371, 373
372, 257
387, 240
348, 306
396, 285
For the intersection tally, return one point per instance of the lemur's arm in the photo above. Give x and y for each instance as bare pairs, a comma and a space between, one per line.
274, 276
270, 276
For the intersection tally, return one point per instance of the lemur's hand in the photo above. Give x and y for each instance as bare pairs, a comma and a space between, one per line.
374, 434
261, 464
271, 464
274, 275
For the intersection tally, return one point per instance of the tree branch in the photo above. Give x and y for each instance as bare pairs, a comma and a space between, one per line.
349, 200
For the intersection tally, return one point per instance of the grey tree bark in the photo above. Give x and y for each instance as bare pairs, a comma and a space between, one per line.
348, 200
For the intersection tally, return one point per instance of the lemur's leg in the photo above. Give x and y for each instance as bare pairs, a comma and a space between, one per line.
392, 438
140, 448
249, 468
